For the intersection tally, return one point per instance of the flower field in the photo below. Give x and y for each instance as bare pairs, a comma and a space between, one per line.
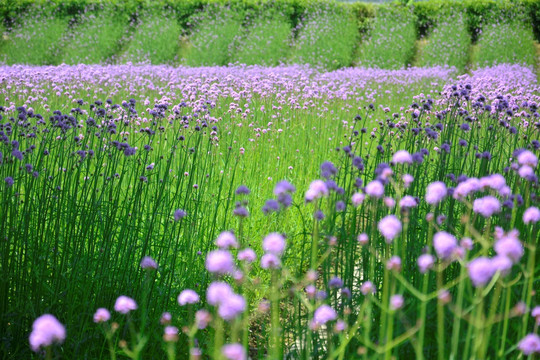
157, 204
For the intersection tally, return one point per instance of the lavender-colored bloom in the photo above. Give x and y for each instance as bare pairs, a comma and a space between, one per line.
394, 263
234, 352
217, 291
319, 215
148, 263
188, 296
283, 187
219, 262
270, 261
324, 314
363, 239
124, 304
527, 158
530, 344
510, 247
340, 206
270, 206
232, 306
242, 190
407, 180
274, 243
179, 214
335, 283
170, 334
317, 189
367, 288
390, 227
407, 202
375, 189
46, 330
481, 271
241, 211
531, 215
502, 264
466, 188
487, 206
102, 315
226, 240
402, 157
247, 255
396, 302
328, 169
9, 181
435, 192
425, 262
357, 199
444, 244
285, 199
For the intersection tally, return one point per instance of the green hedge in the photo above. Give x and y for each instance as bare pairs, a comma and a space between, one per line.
427, 12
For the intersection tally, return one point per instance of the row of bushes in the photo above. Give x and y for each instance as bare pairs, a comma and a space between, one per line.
426, 12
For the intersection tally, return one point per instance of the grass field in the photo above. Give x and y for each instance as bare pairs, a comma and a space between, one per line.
235, 189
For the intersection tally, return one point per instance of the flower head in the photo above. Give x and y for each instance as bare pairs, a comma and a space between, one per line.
188, 296
390, 227
231, 306
487, 206
425, 262
234, 352
481, 270
324, 314
101, 315
435, 192
274, 243
46, 330
531, 215
530, 344
219, 262
226, 239
124, 304
444, 244
148, 263
217, 291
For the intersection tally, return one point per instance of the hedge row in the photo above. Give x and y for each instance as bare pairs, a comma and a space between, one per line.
426, 12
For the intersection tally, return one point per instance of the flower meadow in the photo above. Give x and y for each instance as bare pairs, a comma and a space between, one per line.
250, 212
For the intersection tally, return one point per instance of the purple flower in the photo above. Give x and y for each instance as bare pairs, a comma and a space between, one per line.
375, 189
242, 190
148, 263
283, 187
170, 334
188, 296
487, 206
367, 288
202, 318
226, 239
241, 211
270, 206
435, 192
444, 244
530, 344
531, 215
407, 202
217, 291
274, 243
247, 255
481, 270
502, 264
9, 181
390, 227
527, 158
509, 246
179, 214
101, 315
394, 263
425, 262
396, 302
402, 157
317, 189
363, 239
270, 261
234, 352
232, 306
335, 282
219, 262
46, 330
340, 206
357, 199
324, 314
124, 304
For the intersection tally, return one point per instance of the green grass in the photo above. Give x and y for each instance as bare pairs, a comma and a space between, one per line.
317, 41
266, 41
34, 40
510, 42
448, 44
390, 42
95, 39
211, 40
155, 40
